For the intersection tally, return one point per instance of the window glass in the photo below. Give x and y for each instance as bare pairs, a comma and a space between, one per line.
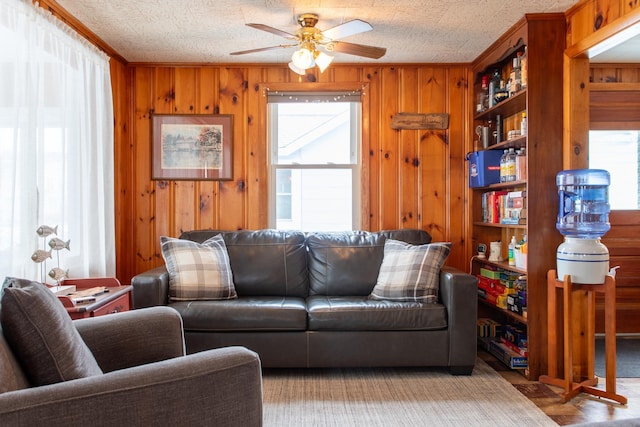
617, 152
314, 133
283, 194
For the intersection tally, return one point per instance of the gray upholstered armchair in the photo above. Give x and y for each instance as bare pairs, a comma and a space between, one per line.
146, 379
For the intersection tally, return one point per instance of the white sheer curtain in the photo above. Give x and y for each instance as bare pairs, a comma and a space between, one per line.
56, 147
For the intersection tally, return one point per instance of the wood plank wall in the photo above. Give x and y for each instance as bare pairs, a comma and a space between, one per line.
610, 86
413, 178
589, 16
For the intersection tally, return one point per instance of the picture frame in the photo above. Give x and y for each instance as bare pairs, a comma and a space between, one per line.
191, 147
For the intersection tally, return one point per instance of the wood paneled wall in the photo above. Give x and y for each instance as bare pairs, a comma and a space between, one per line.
590, 16
411, 179
610, 88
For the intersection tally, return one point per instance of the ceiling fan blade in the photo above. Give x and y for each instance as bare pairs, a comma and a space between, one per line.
272, 30
261, 49
359, 49
347, 29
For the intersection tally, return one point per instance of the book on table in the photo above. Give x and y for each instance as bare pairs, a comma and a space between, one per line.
85, 296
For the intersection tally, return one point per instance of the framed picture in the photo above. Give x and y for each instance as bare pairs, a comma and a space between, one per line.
192, 147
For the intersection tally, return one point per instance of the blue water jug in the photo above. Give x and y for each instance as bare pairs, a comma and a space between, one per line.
583, 209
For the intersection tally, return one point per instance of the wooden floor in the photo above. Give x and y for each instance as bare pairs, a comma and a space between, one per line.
580, 409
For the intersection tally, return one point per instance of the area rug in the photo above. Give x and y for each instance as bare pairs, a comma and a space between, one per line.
627, 357
395, 396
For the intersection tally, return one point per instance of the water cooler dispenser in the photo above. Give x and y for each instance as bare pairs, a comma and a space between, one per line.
583, 218
582, 266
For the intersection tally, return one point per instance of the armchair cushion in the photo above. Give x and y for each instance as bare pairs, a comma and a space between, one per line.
42, 335
11, 375
198, 271
410, 272
133, 338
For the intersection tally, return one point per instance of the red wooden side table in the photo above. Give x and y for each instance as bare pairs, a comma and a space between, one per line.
114, 299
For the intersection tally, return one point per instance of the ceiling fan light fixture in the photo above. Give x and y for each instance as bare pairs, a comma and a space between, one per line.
303, 58
323, 60
308, 37
297, 70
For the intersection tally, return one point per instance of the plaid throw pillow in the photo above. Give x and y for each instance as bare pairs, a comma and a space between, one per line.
198, 271
410, 272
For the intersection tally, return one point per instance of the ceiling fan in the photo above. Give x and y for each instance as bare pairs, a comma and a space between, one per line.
309, 38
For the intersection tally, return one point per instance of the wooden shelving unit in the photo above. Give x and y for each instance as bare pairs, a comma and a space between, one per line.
541, 100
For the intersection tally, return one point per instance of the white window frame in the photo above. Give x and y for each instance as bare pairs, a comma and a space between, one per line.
356, 149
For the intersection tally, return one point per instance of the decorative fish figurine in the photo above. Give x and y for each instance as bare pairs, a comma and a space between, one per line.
58, 273
40, 255
45, 230
56, 244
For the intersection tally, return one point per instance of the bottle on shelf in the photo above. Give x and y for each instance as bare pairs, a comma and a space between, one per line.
521, 253
499, 128
483, 96
502, 93
524, 68
510, 163
512, 251
521, 165
523, 124
515, 75
503, 166
494, 86
522, 161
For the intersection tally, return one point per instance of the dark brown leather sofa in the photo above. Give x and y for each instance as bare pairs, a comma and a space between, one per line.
303, 302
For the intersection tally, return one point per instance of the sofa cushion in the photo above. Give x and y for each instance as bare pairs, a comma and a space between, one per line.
244, 314
410, 272
42, 336
347, 263
264, 262
198, 271
365, 314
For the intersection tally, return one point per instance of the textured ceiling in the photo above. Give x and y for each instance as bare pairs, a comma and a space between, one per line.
413, 31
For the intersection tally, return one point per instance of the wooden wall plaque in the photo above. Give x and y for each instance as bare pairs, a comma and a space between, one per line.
420, 121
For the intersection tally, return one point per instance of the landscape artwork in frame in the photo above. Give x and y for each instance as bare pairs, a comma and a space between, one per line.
193, 147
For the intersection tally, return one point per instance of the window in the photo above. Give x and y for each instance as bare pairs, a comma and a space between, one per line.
314, 144
618, 151
56, 148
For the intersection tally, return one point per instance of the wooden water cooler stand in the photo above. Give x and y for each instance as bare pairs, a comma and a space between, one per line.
579, 366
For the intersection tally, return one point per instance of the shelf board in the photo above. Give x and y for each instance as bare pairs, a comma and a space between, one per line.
502, 185
517, 142
507, 313
502, 264
506, 108
497, 225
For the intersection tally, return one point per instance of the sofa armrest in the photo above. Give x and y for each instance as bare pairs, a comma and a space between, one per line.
459, 294
221, 387
133, 338
150, 288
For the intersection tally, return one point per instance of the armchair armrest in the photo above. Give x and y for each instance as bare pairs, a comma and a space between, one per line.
459, 294
133, 338
221, 386
151, 288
